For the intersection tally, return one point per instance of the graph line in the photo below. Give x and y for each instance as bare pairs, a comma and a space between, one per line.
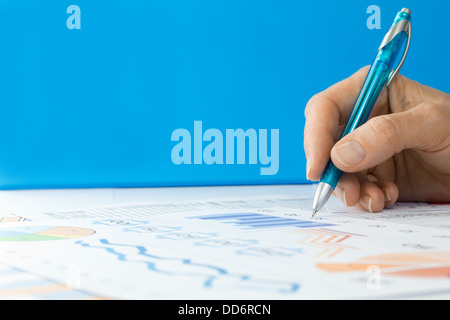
207, 273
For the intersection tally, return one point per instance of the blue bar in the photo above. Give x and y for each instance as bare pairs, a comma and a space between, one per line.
282, 223
265, 221
261, 218
289, 225
226, 216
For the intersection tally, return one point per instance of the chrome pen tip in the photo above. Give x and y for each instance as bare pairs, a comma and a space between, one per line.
406, 10
314, 213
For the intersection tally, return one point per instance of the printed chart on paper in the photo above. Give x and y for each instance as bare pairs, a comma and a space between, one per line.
241, 248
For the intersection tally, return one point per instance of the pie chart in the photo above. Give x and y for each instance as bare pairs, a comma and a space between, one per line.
42, 233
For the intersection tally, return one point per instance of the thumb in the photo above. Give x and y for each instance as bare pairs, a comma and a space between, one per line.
383, 136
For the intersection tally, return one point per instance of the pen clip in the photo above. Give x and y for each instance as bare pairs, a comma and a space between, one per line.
401, 26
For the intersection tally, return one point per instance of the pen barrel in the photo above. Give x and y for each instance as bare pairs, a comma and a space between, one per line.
374, 83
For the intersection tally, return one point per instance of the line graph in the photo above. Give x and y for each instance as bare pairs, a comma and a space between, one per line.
207, 274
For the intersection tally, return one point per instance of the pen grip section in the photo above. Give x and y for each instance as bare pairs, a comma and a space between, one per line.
331, 175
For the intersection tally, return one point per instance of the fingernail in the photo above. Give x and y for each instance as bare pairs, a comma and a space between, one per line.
340, 193
386, 194
308, 169
366, 202
349, 153
344, 198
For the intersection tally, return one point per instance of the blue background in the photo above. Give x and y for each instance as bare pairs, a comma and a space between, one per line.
96, 107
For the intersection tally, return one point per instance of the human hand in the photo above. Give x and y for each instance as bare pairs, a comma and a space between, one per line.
402, 153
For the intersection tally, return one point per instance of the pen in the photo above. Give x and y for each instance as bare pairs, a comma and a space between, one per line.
380, 74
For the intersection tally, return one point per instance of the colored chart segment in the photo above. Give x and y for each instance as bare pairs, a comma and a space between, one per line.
43, 233
328, 242
252, 220
18, 284
420, 264
9, 219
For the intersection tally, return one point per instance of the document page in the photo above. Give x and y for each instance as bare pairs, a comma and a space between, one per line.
266, 247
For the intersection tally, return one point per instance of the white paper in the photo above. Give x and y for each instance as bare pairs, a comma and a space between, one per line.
228, 248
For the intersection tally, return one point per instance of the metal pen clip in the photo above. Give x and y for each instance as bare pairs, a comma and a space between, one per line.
401, 26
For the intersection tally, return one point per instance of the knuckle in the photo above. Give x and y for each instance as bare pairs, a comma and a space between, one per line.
383, 127
434, 110
436, 117
312, 101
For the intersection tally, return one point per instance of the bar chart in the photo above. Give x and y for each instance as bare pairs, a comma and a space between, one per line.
250, 220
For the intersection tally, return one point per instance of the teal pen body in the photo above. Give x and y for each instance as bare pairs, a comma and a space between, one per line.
375, 81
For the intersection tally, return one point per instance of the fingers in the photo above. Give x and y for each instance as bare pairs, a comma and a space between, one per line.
324, 112
376, 195
384, 136
348, 189
366, 192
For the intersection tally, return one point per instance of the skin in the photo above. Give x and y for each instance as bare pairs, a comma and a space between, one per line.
402, 153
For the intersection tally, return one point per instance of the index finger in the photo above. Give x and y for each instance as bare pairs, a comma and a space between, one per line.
324, 113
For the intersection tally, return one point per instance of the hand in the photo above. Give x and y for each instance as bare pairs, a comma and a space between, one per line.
402, 153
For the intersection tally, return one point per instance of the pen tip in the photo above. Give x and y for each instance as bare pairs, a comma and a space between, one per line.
406, 10
314, 213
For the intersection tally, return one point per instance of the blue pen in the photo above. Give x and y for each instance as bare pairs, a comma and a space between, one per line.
379, 75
